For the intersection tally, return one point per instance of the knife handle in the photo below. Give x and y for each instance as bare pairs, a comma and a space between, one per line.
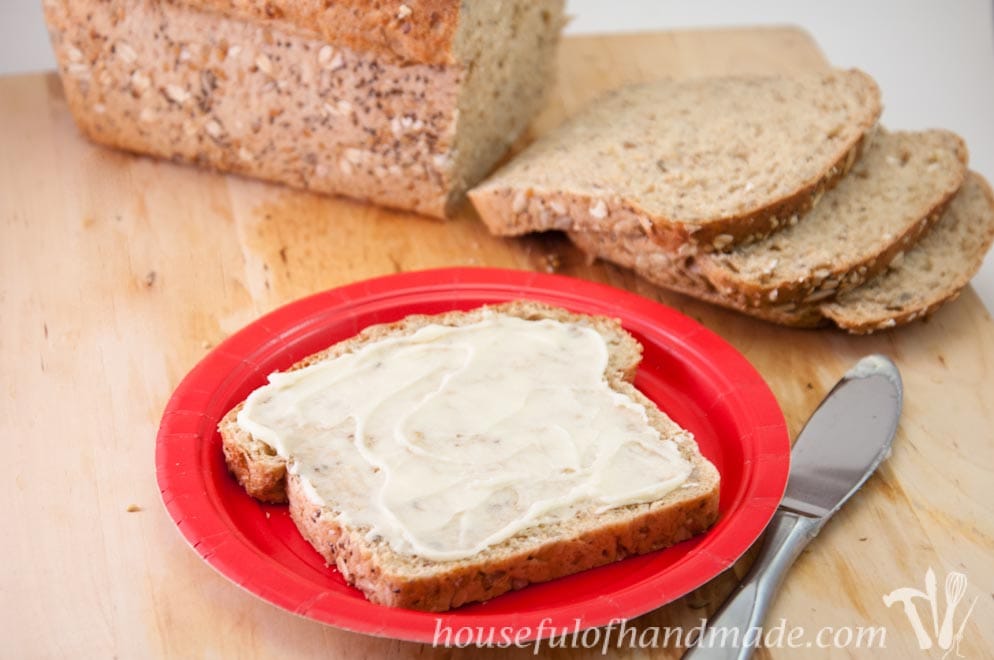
787, 534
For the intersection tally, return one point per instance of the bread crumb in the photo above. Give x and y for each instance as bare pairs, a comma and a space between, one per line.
124, 50
78, 70
176, 94
264, 64
599, 210
140, 82
133, 508
519, 202
403, 12
214, 129
722, 241
325, 54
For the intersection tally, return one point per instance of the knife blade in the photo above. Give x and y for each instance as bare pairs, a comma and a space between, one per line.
840, 446
845, 439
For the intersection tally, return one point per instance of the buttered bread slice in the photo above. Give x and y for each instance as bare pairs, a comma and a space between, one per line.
447, 459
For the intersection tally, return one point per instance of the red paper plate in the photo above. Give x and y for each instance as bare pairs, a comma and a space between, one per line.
691, 373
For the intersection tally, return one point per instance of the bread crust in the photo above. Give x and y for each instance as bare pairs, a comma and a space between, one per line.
562, 548
260, 472
236, 86
423, 33
468, 582
634, 250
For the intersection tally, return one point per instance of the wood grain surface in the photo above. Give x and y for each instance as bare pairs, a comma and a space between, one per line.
118, 273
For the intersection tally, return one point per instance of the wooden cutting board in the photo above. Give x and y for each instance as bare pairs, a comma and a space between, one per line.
118, 273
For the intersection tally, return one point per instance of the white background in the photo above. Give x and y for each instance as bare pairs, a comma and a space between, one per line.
933, 59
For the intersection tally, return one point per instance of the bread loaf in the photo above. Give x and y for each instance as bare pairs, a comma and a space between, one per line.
405, 104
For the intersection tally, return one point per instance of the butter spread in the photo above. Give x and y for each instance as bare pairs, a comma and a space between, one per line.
451, 439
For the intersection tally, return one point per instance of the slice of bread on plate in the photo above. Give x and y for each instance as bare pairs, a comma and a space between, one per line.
914, 285
699, 164
419, 512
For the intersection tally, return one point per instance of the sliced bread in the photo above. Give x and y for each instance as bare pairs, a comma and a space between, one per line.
894, 193
634, 250
558, 546
706, 163
914, 286
932, 273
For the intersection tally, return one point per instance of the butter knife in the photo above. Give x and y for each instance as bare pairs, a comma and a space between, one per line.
840, 446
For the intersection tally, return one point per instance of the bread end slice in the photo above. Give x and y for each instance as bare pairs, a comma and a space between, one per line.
895, 193
929, 275
540, 553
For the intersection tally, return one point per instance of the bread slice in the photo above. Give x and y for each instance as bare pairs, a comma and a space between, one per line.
896, 191
636, 251
929, 275
915, 285
705, 163
538, 553
402, 104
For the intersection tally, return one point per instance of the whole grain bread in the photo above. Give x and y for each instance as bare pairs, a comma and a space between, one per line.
402, 104
932, 273
634, 250
422, 32
915, 284
702, 163
893, 194
537, 554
